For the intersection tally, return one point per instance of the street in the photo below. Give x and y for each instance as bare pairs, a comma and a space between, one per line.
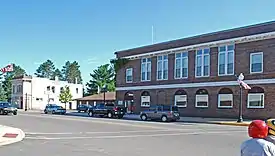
58, 135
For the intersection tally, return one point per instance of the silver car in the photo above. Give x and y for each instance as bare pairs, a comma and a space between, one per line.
161, 112
54, 109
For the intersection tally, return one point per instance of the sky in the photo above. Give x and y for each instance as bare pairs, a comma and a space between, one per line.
90, 31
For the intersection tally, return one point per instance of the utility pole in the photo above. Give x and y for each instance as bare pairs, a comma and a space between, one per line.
26, 102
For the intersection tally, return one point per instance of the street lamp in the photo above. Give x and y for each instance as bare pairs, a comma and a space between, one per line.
240, 78
104, 89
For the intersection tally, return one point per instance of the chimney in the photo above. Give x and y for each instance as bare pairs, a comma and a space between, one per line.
76, 80
98, 89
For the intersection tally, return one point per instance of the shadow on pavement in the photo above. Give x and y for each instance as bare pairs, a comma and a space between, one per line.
124, 118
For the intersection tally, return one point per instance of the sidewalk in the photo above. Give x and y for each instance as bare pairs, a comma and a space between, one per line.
220, 121
9, 135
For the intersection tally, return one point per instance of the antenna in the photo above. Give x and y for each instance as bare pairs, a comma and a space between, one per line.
152, 34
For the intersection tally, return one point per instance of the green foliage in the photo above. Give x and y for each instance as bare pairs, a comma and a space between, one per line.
71, 71
119, 63
103, 75
46, 70
3, 96
7, 86
57, 73
65, 95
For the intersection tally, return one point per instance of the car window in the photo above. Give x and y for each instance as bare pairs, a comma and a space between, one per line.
175, 108
153, 108
166, 108
159, 108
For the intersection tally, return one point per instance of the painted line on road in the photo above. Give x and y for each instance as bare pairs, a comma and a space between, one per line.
105, 122
71, 133
126, 136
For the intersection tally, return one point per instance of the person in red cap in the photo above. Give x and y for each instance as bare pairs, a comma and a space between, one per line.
257, 145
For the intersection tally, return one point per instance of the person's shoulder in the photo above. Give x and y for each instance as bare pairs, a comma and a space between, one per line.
246, 142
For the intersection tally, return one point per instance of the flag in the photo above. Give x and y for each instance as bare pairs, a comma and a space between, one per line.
245, 85
8, 68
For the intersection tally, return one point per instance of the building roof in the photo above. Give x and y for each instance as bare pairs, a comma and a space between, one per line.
204, 38
110, 96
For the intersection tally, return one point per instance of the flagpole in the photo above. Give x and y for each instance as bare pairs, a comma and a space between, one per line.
152, 34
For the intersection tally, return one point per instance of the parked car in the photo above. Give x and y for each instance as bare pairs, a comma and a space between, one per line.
109, 110
54, 109
161, 112
7, 108
83, 108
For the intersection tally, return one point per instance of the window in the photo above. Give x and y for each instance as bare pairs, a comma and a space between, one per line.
76, 90
181, 65
162, 67
202, 62
255, 98
48, 88
181, 98
129, 75
146, 69
53, 89
226, 60
19, 89
256, 62
145, 99
202, 98
225, 98
13, 89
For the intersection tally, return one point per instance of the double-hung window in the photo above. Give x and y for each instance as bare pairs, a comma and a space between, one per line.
226, 60
256, 62
146, 69
162, 67
202, 62
181, 65
129, 75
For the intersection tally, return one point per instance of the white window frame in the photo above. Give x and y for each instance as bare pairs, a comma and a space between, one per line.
180, 105
262, 61
141, 101
198, 101
147, 63
163, 61
219, 101
248, 100
181, 60
126, 72
226, 59
202, 62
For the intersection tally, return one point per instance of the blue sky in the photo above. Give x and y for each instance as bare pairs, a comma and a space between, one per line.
90, 31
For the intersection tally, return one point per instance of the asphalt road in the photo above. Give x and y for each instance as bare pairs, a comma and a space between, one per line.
57, 135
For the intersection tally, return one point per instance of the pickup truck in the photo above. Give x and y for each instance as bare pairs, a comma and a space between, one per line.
109, 110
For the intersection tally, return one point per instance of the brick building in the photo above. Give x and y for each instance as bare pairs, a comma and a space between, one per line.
199, 73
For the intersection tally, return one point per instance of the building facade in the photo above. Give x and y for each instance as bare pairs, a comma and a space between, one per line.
110, 97
199, 74
35, 92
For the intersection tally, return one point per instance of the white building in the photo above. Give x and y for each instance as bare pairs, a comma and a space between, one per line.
35, 92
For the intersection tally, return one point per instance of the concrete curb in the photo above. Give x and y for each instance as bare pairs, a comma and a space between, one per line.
10, 135
230, 123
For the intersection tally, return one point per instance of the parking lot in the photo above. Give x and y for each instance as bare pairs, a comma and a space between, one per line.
58, 135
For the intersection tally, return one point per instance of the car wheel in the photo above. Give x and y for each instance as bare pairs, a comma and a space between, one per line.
45, 112
53, 112
164, 118
110, 115
15, 113
143, 117
1, 112
120, 116
91, 114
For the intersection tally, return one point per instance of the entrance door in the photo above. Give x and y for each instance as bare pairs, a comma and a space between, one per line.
129, 102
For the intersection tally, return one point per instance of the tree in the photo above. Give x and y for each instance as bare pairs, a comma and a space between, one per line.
46, 70
57, 73
71, 72
65, 96
103, 75
3, 96
7, 86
